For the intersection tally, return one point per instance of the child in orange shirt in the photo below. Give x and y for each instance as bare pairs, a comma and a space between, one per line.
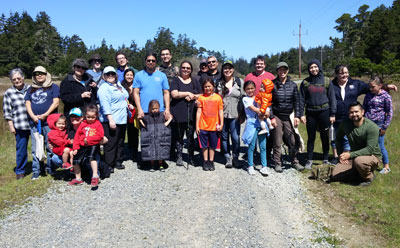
209, 121
264, 99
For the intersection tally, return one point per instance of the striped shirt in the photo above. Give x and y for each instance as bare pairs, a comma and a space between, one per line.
14, 108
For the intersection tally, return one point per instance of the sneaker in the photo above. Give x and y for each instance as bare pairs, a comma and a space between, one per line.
235, 161
251, 170
66, 166
385, 171
76, 182
264, 171
152, 168
326, 161
308, 165
179, 161
334, 161
162, 169
35, 177
211, 166
229, 162
20, 176
191, 161
205, 166
94, 182
278, 168
365, 183
298, 167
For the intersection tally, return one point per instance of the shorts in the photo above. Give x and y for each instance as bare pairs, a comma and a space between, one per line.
88, 153
208, 139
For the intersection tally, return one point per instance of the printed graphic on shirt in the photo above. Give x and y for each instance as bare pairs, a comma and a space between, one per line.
39, 96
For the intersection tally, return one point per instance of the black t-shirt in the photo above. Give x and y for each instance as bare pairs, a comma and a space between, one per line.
180, 108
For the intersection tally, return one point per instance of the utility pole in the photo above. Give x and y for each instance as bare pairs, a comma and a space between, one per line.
299, 48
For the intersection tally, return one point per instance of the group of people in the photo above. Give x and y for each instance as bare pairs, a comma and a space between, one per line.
167, 102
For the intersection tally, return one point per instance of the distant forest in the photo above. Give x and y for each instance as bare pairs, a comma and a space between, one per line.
370, 45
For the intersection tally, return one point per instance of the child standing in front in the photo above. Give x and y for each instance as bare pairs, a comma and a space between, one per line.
250, 134
209, 121
58, 138
155, 136
378, 108
86, 145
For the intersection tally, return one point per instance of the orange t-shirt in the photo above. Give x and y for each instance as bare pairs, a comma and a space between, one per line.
210, 106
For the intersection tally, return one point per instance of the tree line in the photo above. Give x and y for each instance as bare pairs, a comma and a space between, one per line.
370, 44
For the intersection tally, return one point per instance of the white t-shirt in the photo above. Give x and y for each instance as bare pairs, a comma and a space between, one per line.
247, 102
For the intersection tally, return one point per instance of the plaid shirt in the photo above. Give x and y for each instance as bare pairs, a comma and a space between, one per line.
14, 108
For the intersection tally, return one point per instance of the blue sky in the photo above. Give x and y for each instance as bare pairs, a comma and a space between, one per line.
241, 28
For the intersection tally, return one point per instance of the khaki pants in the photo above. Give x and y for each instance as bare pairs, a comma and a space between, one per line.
362, 166
284, 130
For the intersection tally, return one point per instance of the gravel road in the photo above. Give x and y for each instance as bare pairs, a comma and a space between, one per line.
175, 208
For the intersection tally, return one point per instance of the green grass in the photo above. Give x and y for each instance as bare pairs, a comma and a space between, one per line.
376, 206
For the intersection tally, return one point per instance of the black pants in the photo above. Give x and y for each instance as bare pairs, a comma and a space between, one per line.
133, 139
318, 120
178, 131
115, 145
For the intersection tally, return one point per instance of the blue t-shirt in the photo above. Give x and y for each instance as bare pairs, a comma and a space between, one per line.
95, 75
113, 101
151, 87
41, 99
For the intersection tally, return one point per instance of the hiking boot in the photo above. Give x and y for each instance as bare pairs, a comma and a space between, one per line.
308, 165
278, 168
179, 161
228, 162
298, 167
211, 166
205, 166
334, 161
235, 161
94, 182
264, 171
251, 170
119, 166
76, 182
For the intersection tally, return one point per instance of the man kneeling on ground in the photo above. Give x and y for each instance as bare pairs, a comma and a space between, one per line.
364, 154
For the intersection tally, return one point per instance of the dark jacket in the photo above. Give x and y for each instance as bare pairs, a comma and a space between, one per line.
285, 99
155, 138
71, 91
316, 92
214, 77
353, 89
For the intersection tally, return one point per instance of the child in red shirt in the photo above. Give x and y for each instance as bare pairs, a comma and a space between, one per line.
209, 121
58, 138
87, 138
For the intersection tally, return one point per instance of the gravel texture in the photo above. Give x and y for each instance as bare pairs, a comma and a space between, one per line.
175, 208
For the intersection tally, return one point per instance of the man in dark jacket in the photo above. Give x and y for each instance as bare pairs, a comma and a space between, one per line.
285, 100
212, 72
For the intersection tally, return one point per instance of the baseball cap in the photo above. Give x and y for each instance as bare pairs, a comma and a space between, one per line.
75, 111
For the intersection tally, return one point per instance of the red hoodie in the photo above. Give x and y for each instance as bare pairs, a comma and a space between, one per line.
93, 133
58, 139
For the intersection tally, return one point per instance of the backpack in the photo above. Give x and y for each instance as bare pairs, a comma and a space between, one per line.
322, 172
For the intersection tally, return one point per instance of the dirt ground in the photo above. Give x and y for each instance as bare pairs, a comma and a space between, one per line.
337, 216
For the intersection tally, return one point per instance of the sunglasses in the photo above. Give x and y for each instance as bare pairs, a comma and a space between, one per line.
212, 61
110, 74
40, 73
79, 67
97, 61
151, 61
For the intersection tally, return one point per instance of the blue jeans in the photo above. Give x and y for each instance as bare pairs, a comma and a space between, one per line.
232, 127
35, 162
381, 142
346, 145
262, 143
21, 140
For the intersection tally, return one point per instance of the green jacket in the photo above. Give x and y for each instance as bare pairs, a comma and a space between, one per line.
363, 140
